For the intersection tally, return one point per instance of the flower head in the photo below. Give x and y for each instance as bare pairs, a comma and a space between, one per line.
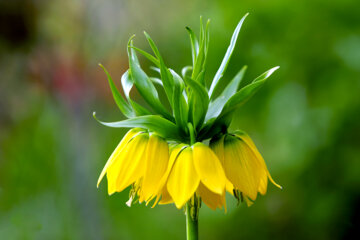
140, 159
164, 157
192, 168
243, 164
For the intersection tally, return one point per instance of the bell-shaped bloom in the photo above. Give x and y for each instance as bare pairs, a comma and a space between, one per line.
194, 169
244, 166
140, 160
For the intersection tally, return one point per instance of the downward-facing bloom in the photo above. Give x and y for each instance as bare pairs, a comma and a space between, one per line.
243, 164
140, 160
166, 157
195, 170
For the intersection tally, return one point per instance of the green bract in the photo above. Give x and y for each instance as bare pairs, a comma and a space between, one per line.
190, 99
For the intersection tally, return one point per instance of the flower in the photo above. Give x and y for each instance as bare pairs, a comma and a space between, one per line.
140, 160
194, 169
243, 164
165, 156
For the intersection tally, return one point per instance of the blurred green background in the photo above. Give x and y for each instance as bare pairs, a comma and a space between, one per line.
305, 121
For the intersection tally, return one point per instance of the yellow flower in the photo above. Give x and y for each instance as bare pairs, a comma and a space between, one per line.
194, 169
243, 164
140, 160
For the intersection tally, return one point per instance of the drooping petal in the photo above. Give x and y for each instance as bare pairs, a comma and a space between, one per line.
217, 145
183, 179
263, 184
209, 168
241, 166
211, 199
165, 197
130, 166
245, 137
174, 152
115, 155
157, 158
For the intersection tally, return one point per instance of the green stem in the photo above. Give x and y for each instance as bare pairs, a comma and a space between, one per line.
192, 207
191, 224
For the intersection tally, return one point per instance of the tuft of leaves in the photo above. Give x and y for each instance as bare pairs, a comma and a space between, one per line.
190, 100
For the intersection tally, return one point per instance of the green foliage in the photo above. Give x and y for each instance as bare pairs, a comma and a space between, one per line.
188, 97
152, 123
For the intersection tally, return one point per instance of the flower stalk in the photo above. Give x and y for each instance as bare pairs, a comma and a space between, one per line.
192, 224
192, 206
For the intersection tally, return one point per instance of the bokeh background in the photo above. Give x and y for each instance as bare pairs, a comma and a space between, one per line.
305, 121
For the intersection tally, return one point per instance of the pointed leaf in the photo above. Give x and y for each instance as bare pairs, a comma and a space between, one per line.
148, 56
145, 87
199, 102
153, 123
194, 44
180, 108
185, 70
166, 76
225, 61
217, 105
124, 107
246, 92
127, 84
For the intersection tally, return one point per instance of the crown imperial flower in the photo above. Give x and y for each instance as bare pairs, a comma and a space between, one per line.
164, 157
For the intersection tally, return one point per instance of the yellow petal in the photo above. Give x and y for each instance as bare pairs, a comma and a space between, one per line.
114, 156
229, 187
209, 168
183, 179
130, 166
211, 199
174, 152
245, 137
165, 197
263, 185
241, 166
157, 158
217, 146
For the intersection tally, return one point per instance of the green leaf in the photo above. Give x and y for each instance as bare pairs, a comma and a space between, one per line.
207, 37
225, 61
138, 109
217, 105
124, 107
246, 93
166, 76
156, 80
145, 87
185, 70
198, 102
194, 45
153, 123
131, 52
266, 74
177, 79
148, 56
180, 107
127, 84
199, 63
